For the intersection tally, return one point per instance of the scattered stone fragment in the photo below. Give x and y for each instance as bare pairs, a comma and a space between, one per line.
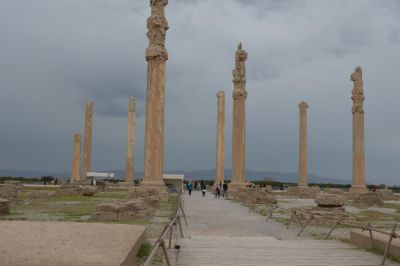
368, 199
4, 206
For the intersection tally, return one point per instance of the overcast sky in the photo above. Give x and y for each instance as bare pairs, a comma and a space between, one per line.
56, 54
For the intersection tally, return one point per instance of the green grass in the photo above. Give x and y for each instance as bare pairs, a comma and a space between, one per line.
392, 205
144, 250
45, 188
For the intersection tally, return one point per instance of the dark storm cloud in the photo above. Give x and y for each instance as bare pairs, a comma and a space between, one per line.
55, 55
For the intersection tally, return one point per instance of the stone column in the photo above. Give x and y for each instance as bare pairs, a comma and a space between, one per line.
156, 56
303, 145
239, 113
358, 184
87, 148
130, 146
219, 167
76, 158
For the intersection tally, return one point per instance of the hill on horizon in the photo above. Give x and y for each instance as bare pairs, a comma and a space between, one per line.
195, 174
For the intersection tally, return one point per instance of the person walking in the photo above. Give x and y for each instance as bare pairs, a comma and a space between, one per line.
218, 190
225, 190
203, 188
190, 187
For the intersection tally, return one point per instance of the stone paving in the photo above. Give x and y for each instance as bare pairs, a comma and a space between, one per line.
222, 232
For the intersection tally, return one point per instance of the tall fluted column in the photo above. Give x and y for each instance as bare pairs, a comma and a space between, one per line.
219, 172
303, 145
87, 149
130, 146
76, 158
358, 184
239, 113
156, 56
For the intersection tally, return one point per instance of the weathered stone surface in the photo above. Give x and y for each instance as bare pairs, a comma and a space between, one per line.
130, 145
40, 194
87, 145
67, 190
4, 206
304, 192
140, 192
69, 243
368, 199
76, 157
337, 191
255, 196
329, 200
156, 56
303, 144
88, 190
219, 164
9, 190
121, 210
358, 184
239, 125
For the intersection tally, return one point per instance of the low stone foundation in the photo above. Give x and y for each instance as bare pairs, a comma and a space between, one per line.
304, 192
10, 190
362, 239
368, 199
140, 204
74, 189
4, 206
254, 196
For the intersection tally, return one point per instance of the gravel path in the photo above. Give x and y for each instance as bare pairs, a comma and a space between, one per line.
220, 217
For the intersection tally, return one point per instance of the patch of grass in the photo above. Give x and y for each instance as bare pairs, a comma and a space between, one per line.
380, 252
134, 222
45, 188
370, 215
111, 195
144, 250
392, 205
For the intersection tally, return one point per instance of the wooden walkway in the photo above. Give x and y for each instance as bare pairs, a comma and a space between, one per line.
262, 251
221, 232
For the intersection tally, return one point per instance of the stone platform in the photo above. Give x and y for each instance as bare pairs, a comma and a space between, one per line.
68, 243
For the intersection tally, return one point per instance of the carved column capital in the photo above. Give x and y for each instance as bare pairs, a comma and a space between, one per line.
239, 74
157, 26
358, 91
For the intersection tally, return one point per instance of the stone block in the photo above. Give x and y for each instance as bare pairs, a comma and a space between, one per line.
4, 206
88, 190
329, 200
368, 199
362, 239
140, 192
69, 243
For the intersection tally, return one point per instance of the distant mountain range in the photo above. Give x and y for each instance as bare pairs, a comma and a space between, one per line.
196, 174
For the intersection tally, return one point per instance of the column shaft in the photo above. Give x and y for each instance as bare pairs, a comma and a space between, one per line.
87, 149
219, 175
76, 157
130, 148
303, 145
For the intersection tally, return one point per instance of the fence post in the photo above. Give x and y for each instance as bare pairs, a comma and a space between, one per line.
183, 212
165, 252
370, 235
305, 225
333, 228
297, 218
270, 209
170, 236
180, 225
388, 245
290, 220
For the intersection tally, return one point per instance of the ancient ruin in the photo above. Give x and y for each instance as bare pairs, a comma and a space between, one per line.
156, 57
219, 165
358, 184
303, 145
76, 158
130, 146
239, 115
87, 146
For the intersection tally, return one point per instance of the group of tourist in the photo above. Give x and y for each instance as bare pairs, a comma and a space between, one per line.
201, 186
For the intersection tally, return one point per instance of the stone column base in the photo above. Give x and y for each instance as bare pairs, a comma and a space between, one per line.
357, 190
126, 184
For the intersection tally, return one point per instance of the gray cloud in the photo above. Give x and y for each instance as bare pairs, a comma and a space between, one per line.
55, 55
